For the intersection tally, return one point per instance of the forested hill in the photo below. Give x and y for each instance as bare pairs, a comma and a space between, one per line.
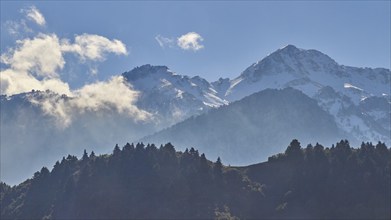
160, 183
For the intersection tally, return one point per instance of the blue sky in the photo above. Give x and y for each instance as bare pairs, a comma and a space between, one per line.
235, 34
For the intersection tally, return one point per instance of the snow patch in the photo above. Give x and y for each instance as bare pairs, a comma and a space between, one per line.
350, 86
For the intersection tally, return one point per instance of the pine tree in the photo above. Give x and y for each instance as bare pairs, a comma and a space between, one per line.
116, 150
85, 155
218, 168
294, 150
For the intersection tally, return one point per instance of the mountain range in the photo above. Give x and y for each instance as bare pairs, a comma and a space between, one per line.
342, 91
355, 102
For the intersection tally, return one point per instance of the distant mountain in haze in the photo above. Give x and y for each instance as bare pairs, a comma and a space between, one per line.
30, 138
358, 99
28, 129
256, 126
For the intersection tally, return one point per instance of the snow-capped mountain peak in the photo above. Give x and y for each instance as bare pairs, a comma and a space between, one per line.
313, 73
291, 66
290, 49
171, 96
291, 60
146, 72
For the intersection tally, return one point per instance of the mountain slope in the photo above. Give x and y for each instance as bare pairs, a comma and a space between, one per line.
313, 72
309, 71
172, 97
254, 127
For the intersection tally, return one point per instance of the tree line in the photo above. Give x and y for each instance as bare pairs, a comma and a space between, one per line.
145, 181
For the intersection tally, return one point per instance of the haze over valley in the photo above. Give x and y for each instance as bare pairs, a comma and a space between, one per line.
195, 110
353, 103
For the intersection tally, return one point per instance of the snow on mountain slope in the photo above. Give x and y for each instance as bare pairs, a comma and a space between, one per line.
172, 97
312, 72
221, 86
355, 120
309, 70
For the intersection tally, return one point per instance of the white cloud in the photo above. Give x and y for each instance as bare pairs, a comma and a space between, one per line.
190, 41
14, 82
33, 14
114, 94
94, 47
164, 41
34, 63
40, 56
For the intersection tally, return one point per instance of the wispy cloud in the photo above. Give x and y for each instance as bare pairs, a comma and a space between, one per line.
190, 41
15, 28
165, 41
20, 28
33, 14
